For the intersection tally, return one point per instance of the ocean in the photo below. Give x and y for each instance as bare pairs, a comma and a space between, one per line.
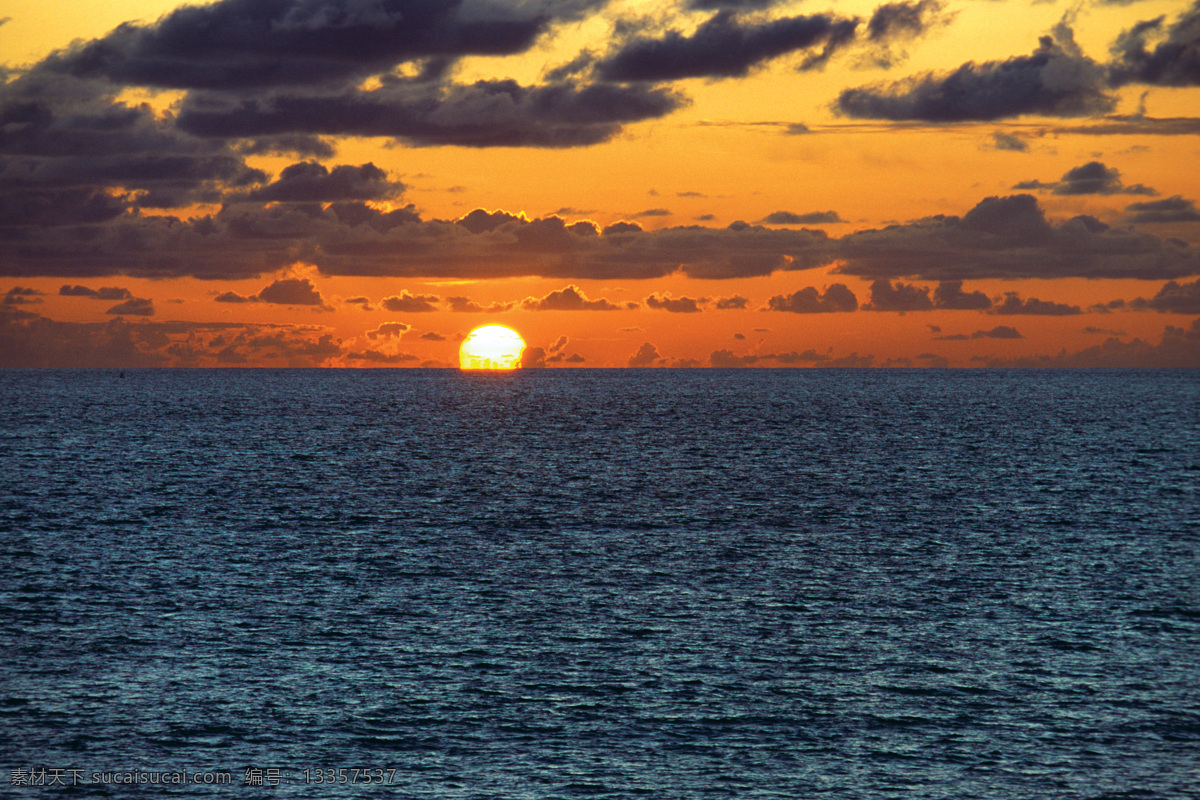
600, 583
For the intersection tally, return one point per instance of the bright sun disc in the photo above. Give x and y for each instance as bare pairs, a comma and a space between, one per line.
491, 347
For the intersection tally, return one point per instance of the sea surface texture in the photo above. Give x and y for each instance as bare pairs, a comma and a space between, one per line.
601, 584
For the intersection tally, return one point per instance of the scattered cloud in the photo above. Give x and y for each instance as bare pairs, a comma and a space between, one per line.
998, 332
1056, 80
1012, 304
389, 330
808, 300
569, 298
134, 306
1159, 55
406, 303
727, 45
1091, 178
811, 218
646, 356
465, 305
1175, 298
676, 305
1172, 209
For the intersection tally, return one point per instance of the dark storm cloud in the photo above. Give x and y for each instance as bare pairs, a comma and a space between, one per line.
811, 218
676, 305
410, 303
487, 113
1057, 80
569, 298
1174, 298
1012, 304
1010, 237
1151, 53
236, 45
725, 46
310, 182
808, 301
1172, 209
1090, 178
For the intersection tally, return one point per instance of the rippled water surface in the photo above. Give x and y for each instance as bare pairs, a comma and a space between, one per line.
604, 584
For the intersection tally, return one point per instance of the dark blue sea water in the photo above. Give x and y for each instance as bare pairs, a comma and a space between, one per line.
602, 584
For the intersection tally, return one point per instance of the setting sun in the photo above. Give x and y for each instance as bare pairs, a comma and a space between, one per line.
491, 347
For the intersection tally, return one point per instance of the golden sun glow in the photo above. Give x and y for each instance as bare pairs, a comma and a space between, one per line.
491, 347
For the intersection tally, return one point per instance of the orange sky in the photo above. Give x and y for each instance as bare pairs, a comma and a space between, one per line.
992, 183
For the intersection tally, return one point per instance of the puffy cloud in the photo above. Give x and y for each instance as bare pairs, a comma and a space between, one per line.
1056, 80
533, 358
731, 303
1013, 304
727, 359
569, 298
285, 291
410, 303
837, 297
465, 305
389, 330
726, 46
1009, 237
433, 336
811, 218
291, 292
676, 305
1174, 59
1091, 178
950, 295
1174, 298
310, 182
646, 356
901, 297
1172, 209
